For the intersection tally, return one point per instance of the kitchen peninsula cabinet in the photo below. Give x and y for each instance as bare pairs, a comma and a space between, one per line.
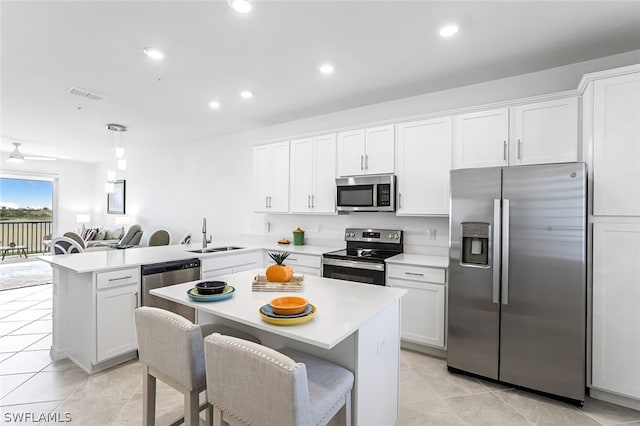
115, 325
423, 164
366, 151
93, 316
539, 133
271, 178
313, 174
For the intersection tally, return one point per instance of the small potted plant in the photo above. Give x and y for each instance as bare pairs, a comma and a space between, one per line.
279, 272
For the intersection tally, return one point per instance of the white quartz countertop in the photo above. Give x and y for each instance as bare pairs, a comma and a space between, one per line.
419, 260
342, 306
103, 260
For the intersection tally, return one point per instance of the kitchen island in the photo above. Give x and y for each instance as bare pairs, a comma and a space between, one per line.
356, 325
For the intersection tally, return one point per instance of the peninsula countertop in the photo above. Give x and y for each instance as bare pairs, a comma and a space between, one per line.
96, 261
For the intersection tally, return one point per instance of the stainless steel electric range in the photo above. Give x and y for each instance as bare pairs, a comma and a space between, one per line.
364, 258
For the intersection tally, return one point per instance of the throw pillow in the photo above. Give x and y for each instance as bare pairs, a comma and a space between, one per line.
102, 232
85, 233
114, 233
90, 234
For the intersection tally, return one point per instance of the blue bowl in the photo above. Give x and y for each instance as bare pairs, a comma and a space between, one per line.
211, 287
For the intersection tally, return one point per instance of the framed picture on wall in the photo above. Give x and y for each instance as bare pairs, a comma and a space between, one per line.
116, 199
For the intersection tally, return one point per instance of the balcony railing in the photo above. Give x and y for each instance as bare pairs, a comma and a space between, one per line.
29, 234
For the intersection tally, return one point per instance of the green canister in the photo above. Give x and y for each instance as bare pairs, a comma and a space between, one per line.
298, 237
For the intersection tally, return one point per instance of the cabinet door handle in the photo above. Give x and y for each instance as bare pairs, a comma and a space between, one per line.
519, 148
266, 201
366, 162
292, 259
269, 201
504, 151
415, 274
308, 201
399, 200
313, 201
361, 162
135, 300
128, 277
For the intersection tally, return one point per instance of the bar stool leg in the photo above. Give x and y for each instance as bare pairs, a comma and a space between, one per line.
148, 398
191, 408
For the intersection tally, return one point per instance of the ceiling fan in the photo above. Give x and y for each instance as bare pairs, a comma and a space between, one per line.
17, 157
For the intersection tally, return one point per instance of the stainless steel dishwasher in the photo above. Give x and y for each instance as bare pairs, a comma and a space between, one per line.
164, 274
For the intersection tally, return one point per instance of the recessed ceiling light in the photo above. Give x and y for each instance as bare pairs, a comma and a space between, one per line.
153, 53
245, 94
449, 30
326, 69
240, 6
214, 104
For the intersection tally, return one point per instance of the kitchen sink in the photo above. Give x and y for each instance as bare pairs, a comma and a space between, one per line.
215, 249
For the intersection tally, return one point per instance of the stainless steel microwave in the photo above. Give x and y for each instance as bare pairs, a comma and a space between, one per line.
374, 193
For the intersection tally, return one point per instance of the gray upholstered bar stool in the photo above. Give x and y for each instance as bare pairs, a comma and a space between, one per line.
171, 349
252, 384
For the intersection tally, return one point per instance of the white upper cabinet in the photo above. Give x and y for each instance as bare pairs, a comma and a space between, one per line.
423, 163
379, 150
350, 155
546, 132
616, 146
313, 171
366, 151
481, 139
541, 132
271, 178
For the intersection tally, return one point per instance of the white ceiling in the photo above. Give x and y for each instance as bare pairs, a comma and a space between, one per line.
381, 51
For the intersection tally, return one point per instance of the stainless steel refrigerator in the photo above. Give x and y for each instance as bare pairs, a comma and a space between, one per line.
517, 276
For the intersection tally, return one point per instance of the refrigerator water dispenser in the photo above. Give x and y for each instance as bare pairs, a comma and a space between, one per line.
475, 244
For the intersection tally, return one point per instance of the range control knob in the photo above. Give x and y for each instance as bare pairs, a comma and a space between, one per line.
397, 237
390, 236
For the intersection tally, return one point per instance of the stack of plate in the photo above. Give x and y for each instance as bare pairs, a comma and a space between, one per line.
287, 310
211, 291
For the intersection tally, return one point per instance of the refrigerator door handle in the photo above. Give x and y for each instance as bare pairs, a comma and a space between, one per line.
505, 251
496, 251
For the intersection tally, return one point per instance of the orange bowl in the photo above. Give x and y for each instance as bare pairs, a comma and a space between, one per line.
288, 305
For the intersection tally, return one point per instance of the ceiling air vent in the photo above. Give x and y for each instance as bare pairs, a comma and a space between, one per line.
84, 93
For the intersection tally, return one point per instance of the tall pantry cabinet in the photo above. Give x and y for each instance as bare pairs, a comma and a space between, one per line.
611, 145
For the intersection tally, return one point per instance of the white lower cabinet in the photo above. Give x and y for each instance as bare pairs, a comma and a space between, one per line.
423, 307
616, 317
305, 264
117, 295
116, 330
222, 265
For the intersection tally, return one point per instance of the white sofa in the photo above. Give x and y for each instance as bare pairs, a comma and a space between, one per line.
94, 237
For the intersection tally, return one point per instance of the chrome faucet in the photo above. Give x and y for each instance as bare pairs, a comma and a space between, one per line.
205, 241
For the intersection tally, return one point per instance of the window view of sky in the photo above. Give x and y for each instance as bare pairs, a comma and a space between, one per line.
24, 193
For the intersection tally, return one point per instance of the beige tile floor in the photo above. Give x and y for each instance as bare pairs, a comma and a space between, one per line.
33, 386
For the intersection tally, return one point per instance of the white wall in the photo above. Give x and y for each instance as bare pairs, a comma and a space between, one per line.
75, 192
212, 178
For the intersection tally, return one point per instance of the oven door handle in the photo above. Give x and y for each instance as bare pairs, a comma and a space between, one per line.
353, 264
